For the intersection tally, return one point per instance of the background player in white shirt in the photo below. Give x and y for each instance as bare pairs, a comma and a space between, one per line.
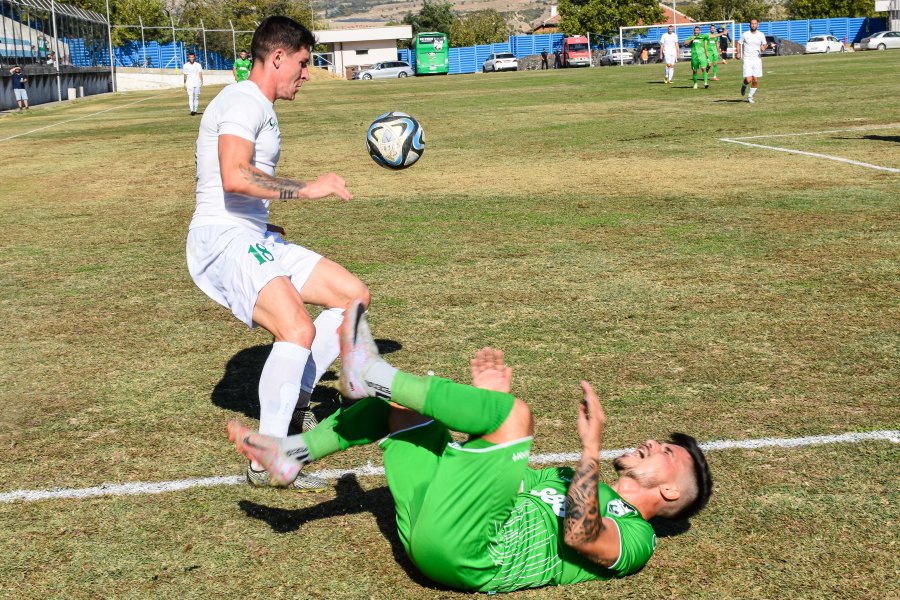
193, 81
241, 261
669, 44
749, 51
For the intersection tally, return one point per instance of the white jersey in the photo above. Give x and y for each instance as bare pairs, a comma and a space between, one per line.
751, 42
242, 110
192, 71
669, 43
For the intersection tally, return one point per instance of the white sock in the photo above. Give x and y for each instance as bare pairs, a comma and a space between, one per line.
752, 91
325, 349
279, 387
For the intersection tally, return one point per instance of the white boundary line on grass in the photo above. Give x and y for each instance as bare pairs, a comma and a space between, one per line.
740, 140
370, 470
12, 137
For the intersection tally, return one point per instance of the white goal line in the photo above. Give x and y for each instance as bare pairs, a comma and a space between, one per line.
143, 488
742, 141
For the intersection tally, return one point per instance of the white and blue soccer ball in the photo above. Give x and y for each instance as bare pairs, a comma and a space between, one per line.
395, 140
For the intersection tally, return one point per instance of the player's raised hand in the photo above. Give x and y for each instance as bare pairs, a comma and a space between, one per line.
489, 371
591, 419
326, 185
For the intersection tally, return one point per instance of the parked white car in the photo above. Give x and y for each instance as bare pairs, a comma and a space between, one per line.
615, 56
386, 70
881, 41
824, 44
502, 61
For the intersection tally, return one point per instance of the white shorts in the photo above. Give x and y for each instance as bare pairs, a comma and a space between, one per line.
670, 58
21, 95
752, 67
233, 264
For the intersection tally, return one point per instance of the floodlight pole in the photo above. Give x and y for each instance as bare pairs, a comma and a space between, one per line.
233, 39
674, 14
112, 61
143, 43
205, 58
56, 50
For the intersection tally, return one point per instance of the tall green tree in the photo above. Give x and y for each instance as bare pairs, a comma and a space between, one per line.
435, 15
827, 9
725, 10
606, 16
480, 27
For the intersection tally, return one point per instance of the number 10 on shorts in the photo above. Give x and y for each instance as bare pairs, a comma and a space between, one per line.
260, 253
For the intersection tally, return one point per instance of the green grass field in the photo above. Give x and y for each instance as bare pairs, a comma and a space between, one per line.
590, 223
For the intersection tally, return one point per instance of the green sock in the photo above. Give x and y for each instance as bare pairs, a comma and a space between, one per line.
705, 78
365, 422
459, 407
695, 76
715, 70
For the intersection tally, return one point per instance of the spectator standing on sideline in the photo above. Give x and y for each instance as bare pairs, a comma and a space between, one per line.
645, 56
557, 59
193, 81
18, 82
544, 63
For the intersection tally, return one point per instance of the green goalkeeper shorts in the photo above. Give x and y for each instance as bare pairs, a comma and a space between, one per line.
698, 62
451, 499
713, 58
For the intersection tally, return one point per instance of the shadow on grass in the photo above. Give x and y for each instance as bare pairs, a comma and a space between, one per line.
669, 527
731, 100
350, 499
238, 389
874, 138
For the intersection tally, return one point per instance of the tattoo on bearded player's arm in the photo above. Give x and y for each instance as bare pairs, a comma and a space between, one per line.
583, 523
287, 189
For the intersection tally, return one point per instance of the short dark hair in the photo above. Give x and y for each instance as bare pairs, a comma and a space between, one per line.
702, 476
280, 32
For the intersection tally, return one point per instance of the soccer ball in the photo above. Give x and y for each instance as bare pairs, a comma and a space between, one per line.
395, 140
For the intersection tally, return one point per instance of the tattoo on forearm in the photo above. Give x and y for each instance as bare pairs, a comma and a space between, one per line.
287, 188
583, 521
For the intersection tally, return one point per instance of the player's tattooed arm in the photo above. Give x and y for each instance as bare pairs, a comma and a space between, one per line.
287, 189
585, 529
583, 523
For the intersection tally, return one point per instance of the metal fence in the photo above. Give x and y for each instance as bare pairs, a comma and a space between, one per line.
34, 32
214, 48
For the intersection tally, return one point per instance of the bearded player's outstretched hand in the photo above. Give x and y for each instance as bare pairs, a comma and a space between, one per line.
489, 371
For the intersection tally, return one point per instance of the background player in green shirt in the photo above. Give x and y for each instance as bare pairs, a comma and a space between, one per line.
241, 67
473, 516
712, 51
699, 55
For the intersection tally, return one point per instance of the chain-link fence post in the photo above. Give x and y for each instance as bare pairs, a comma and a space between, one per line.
143, 43
233, 40
112, 61
205, 57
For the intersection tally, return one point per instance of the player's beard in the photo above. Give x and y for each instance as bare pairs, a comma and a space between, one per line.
646, 480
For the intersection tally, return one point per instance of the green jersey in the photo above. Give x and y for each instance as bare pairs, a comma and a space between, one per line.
242, 68
698, 45
528, 547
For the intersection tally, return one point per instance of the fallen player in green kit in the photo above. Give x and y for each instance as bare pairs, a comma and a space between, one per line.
474, 516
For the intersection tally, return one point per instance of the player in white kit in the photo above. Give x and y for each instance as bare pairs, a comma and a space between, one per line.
241, 261
669, 44
749, 51
193, 81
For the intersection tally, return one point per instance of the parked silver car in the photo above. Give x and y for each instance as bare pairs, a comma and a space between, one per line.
502, 61
386, 70
881, 41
